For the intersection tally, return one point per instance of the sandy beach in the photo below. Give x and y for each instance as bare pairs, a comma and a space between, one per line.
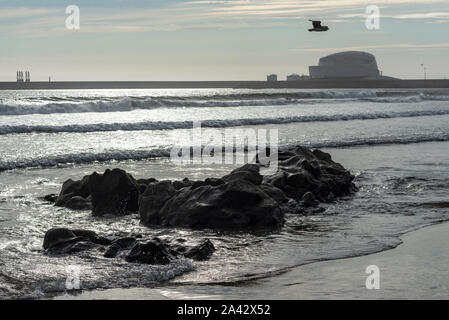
416, 269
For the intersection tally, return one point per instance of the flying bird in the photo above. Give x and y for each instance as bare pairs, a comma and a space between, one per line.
318, 27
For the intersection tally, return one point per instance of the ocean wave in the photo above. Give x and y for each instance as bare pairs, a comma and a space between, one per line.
82, 158
379, 141
122, 104
104, 275
124, 155
170, 125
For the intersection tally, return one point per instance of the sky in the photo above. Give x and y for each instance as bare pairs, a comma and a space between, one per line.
216, 39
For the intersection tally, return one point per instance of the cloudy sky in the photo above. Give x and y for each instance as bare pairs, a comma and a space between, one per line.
215, 39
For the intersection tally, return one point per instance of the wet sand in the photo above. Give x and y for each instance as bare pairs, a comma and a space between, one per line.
416, 269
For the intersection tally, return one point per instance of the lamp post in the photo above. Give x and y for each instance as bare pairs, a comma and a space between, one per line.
425, 70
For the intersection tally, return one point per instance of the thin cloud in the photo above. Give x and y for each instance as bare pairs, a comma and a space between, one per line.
206, 14
17, 13
417, 15
405, 46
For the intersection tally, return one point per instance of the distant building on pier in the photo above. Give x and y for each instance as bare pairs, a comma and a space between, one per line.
296, 77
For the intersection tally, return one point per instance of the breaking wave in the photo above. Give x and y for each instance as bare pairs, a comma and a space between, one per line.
123, 155
106, 104
160, 125
81, 158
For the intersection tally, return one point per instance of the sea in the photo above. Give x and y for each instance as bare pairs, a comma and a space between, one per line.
394, 141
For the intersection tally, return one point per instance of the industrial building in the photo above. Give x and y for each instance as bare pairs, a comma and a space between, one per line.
20, 76
348, 64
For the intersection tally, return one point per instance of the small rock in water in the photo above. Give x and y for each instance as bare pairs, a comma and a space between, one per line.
150, 253
50, 198
61, 241
119, 245
201, 252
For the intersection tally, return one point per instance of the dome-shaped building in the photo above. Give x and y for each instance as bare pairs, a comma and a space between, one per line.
348, 64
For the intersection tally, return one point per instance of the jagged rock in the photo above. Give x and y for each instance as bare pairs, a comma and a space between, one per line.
113, 193
150, 253
182, 184
146, 181
235, 205
300, 171
214, 182
241, 200
201, 252
70, 188
197, 184
321, 155
274, 193
153, 199
248, 172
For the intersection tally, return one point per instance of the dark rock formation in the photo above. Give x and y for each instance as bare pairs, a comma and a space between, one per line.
235, 205
241, 200
301, 171
154, 199
182, 184
244, 199
248, 172
70, 188
201, 252
59, 241
146, 181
